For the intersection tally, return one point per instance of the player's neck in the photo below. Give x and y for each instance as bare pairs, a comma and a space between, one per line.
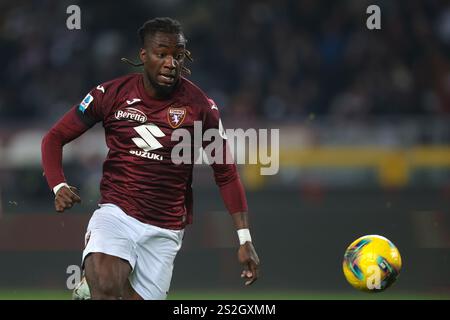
149, 89
152, 92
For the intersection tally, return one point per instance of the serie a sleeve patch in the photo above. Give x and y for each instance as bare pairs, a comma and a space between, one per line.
85, 102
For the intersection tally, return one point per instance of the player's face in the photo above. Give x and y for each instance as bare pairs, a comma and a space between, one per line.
163, 58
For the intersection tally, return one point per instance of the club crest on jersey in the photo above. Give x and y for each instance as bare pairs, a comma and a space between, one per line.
176, 116
131, 114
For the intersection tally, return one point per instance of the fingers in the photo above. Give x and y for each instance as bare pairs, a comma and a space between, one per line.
246, 274
59, 207
66, 198
248, 257
251, 273
255, 270
62, 203
75, 196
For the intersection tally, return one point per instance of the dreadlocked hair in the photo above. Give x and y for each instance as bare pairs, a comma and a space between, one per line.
165, 25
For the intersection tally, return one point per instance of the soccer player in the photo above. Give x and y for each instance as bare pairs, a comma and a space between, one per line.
146, 199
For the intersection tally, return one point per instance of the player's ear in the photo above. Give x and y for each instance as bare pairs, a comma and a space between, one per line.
143, 55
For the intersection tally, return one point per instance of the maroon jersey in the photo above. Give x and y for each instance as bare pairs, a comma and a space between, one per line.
138, 173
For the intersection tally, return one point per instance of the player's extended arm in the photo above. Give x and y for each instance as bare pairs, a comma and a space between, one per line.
233, 195
68, 128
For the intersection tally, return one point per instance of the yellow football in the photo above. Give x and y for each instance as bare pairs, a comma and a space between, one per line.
372, 263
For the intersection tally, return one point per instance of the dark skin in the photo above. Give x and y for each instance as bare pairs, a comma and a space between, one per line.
247, 256
65, 198
163, 57
106, 275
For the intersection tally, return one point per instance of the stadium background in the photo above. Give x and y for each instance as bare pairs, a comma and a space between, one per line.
364, 134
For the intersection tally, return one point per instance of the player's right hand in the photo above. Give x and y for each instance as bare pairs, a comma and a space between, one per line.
66, 197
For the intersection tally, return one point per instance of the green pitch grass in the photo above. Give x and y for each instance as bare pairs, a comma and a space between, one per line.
20, 294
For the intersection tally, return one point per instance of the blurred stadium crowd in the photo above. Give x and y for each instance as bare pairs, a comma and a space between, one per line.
310, 68
270, 60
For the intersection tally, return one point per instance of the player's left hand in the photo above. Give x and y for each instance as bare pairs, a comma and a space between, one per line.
249, 259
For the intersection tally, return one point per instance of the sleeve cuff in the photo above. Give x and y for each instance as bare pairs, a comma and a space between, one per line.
59, 186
